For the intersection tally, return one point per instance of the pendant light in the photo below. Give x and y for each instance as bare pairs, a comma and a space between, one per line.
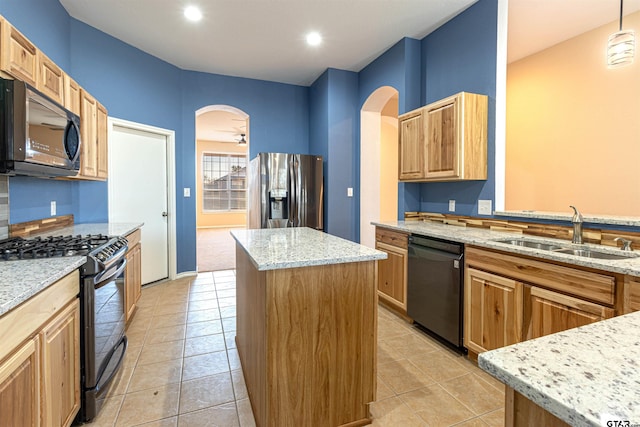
621, 46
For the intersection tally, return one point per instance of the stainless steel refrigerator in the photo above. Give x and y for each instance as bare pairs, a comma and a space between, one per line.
286, 190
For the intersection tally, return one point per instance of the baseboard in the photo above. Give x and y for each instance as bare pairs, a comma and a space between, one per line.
186, 274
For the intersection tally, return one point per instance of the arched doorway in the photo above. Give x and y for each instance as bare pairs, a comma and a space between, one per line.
378, 161
222, 160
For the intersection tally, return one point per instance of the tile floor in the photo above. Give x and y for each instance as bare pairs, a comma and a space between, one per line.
182, 368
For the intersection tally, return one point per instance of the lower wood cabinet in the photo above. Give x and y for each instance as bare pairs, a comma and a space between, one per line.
492, 311
392, 272
20, 386
510, 298
133, 274
631, 294
553, 312
40, 358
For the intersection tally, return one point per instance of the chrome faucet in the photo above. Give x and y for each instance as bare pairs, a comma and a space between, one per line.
626, 243
577, 226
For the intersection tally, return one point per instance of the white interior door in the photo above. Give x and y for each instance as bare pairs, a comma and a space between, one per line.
138, 193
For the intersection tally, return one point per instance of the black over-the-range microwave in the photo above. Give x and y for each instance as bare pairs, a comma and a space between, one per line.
38, 136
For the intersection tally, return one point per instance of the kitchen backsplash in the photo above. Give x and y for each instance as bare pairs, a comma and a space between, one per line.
4, 206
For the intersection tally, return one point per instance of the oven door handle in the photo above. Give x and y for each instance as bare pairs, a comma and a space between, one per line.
108, 275
99, 383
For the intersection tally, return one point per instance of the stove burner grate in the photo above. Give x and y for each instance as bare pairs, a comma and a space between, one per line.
17, 248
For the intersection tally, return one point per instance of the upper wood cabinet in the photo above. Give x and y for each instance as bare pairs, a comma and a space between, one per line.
451, 144
88, 136
102, 150
50, 79
71, 95
21, 59
18, 57
411, 145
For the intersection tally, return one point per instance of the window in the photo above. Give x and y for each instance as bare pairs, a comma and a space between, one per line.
224, 182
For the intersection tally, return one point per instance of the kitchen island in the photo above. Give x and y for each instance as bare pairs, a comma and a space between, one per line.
306, 326
586, 376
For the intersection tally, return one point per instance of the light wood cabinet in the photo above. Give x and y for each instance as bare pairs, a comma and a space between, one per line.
133, 274
102, 151
411, 145
451, 144
553, 312
492, 311
631, 294
547, 298
20, 386
392, 272
71, 95
61, 367
18, 56
40, 358
93, 130
50, 79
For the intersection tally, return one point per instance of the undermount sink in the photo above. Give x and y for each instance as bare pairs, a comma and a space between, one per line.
531, 244
581, 252
589, 253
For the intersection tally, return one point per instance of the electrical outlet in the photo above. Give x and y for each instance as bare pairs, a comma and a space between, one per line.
484, 207
53, 208
452, 205
187, 192
349, 192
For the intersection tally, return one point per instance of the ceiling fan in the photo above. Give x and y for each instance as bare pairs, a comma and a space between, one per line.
242, 141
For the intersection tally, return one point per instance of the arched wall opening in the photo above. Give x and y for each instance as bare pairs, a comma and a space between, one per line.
219, 128
378, 161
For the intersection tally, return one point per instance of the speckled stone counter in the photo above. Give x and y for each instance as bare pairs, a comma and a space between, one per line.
115, 229
487, 238
306, 308
559, 216
20, 280
277, 248
584, 376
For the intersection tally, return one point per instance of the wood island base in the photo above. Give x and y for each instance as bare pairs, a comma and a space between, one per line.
306, 338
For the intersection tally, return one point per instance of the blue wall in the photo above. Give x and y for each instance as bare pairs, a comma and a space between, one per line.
461, 56
322, 119
138, 87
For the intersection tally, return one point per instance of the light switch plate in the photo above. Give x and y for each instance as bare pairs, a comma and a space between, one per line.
349, 192
452, 205
484, 207
53, 208
187, 192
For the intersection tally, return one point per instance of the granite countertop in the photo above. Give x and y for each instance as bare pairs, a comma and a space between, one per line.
584, 376
277, 248
115, 229
559, 216
20, 280
483, 237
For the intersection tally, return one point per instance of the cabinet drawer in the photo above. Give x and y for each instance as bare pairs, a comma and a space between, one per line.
581, 283
134, 238
393, 238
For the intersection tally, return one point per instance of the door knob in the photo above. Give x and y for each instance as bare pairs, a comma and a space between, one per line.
165, 214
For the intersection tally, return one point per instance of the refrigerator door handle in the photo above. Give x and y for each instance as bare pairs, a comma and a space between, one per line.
292, 191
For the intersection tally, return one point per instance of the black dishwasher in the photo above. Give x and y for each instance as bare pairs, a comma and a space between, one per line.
435, 286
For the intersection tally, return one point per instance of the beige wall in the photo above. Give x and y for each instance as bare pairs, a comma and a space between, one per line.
215, 219
389, 161
573, 129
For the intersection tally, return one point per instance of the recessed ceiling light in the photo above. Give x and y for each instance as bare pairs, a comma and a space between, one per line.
192, 13
314, 38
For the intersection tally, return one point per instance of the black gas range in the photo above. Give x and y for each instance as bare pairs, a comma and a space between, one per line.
101, 293
99, 249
